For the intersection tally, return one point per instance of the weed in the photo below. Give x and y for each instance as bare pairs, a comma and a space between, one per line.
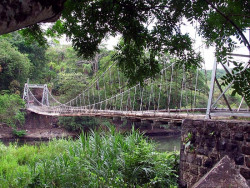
20, 133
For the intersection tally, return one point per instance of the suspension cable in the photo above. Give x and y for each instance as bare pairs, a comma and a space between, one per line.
171, 79
196, 83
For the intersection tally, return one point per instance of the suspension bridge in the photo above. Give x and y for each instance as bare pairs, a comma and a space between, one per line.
174, 94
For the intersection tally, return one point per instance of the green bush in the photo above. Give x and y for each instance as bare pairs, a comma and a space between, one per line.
78, 123
10, 105
14, 67
99, 159
19, 133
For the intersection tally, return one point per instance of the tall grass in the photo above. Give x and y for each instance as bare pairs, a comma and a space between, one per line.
99, 159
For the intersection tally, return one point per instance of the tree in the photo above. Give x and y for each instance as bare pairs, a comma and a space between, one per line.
10, 113
16, 14
14, 66
35, 53
88, 22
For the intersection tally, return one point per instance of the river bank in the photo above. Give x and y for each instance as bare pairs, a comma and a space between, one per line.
44, 128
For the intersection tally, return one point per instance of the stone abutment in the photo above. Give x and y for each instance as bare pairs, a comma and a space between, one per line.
205, 142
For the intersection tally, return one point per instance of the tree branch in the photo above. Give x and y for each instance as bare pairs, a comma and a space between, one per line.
16, 15
233, 24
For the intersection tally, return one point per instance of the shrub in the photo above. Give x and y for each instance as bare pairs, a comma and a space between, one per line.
13, 66
15, 87
10, 105
19, 133
78, 123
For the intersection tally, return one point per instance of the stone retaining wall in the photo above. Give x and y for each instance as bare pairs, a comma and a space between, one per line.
205, 142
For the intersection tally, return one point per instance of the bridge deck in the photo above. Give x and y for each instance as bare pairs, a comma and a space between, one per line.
164, 116
146, 115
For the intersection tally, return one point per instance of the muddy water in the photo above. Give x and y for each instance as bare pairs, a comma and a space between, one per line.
167, 143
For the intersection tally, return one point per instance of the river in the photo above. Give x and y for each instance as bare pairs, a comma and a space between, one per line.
167, 143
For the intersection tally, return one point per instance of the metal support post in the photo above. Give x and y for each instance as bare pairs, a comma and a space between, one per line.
211, 92
225, 98
228, 87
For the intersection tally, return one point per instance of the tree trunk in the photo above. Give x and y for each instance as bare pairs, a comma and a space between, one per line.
18, 14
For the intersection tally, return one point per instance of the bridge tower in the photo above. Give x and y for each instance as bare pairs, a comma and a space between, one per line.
29, 99
25, 94
45, 99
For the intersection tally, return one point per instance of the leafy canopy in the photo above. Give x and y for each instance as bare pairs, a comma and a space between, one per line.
10, 105
88, 22
14, 66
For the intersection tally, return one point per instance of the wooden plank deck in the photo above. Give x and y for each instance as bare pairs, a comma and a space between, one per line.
152, 116
145, 115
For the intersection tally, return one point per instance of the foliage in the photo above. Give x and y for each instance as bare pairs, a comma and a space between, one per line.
219, 74
69, 86
84, 123
65, 72
188, 142
10, 105
13, 65
241, 77
59, 59
153, 27
15, 87
99, 159
34, 52
34, 33
69, 75
78, 123
134, 63
19, 133
93, 21
62, 54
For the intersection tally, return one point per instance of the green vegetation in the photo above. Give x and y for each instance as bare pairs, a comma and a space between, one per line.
219, 74
99, 159
241, 81
188, 142
78, 123
110, 159
10, 105
150, 28
34, 52
19, 133
14, 67
233, 97
67, 75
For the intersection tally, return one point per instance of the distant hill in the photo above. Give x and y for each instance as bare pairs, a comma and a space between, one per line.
219, 73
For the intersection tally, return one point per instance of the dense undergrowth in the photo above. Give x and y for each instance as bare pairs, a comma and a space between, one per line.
99, 159
10, 105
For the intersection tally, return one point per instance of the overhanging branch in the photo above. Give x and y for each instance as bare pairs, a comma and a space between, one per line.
16, 14
233, 24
